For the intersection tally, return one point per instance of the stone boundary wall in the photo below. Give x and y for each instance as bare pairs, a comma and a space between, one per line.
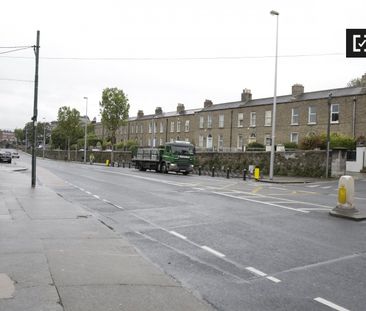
289, 163
294, 163
78, 156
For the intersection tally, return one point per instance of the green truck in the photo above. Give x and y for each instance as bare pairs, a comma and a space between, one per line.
177, 156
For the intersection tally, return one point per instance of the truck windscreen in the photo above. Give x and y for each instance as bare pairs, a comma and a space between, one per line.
182, 149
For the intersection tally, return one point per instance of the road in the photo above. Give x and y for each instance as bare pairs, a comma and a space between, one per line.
240, 245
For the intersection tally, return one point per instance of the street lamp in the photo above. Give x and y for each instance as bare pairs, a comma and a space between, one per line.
274, 103
86, 127
328, 136
44, 135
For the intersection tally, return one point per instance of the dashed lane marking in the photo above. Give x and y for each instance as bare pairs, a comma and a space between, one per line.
262, 274
212, 251
330, 304
178, 235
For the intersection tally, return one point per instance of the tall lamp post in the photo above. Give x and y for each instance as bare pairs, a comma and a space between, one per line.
275, 13
86, 126
328, 136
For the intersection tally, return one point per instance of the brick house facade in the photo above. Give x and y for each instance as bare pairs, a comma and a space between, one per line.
231, 126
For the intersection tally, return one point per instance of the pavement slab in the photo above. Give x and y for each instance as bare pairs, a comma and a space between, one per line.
56, 255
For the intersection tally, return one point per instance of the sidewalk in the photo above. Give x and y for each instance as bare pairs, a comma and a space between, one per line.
55, 255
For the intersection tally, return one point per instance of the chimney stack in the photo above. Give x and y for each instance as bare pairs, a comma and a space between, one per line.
207, 103
297, 90
246, 95
180, 109
158, 111
140, 114
363, 80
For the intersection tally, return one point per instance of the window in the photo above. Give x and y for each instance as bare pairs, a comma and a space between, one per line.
137, 129
267, 140
200, 141
220, 142
209, 121
253, 119
240, 142
178, 126
155, 127
294, 138
240, 119
172, 127
334, 113
202, 121
268, 118
186, 126
295, 116
221, 120
161, 127
132, 128
209, 141
160, 141
252, 138
150, 128
312, 115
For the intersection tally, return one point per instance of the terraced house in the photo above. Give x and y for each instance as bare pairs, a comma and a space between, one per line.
233, 125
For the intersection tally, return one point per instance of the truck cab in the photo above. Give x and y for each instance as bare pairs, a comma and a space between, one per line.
177, 156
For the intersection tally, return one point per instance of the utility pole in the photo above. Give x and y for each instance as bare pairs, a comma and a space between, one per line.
35, 112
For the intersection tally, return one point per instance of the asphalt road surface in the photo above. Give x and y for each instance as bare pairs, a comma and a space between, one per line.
240, 245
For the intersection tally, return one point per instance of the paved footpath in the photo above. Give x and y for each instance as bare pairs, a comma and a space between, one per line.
56, 255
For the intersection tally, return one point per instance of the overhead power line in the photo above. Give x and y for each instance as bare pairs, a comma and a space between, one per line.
15, 49
16, 80
178, 58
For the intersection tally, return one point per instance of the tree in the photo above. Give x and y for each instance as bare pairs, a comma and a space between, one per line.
354, 83
114, 109
68, 127
19, 134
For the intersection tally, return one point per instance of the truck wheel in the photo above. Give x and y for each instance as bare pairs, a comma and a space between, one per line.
185, 173
164, 168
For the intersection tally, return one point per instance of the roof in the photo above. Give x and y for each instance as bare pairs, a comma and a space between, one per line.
164, 115
348, 91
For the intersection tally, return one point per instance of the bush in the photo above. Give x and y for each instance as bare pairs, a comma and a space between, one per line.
290, 145
316, 141
255, 147
342, 141
313, 141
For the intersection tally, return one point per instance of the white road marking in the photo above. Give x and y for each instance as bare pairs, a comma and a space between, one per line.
330, 304
212, 251
273, 279
96, 196
261, 202
309, 209
115, 205
106, 201
178, 235
327, 187
312, 186
88, 192
256, 271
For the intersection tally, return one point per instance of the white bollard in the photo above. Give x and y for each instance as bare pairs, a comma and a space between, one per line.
346, 191
346, 207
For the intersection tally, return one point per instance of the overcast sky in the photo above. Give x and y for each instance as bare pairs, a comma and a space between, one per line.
165, 52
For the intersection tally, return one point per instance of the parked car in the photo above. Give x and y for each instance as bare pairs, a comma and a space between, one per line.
15, 154
5, 156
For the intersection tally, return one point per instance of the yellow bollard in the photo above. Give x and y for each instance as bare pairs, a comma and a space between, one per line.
256, 173
107, 163
342, 195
